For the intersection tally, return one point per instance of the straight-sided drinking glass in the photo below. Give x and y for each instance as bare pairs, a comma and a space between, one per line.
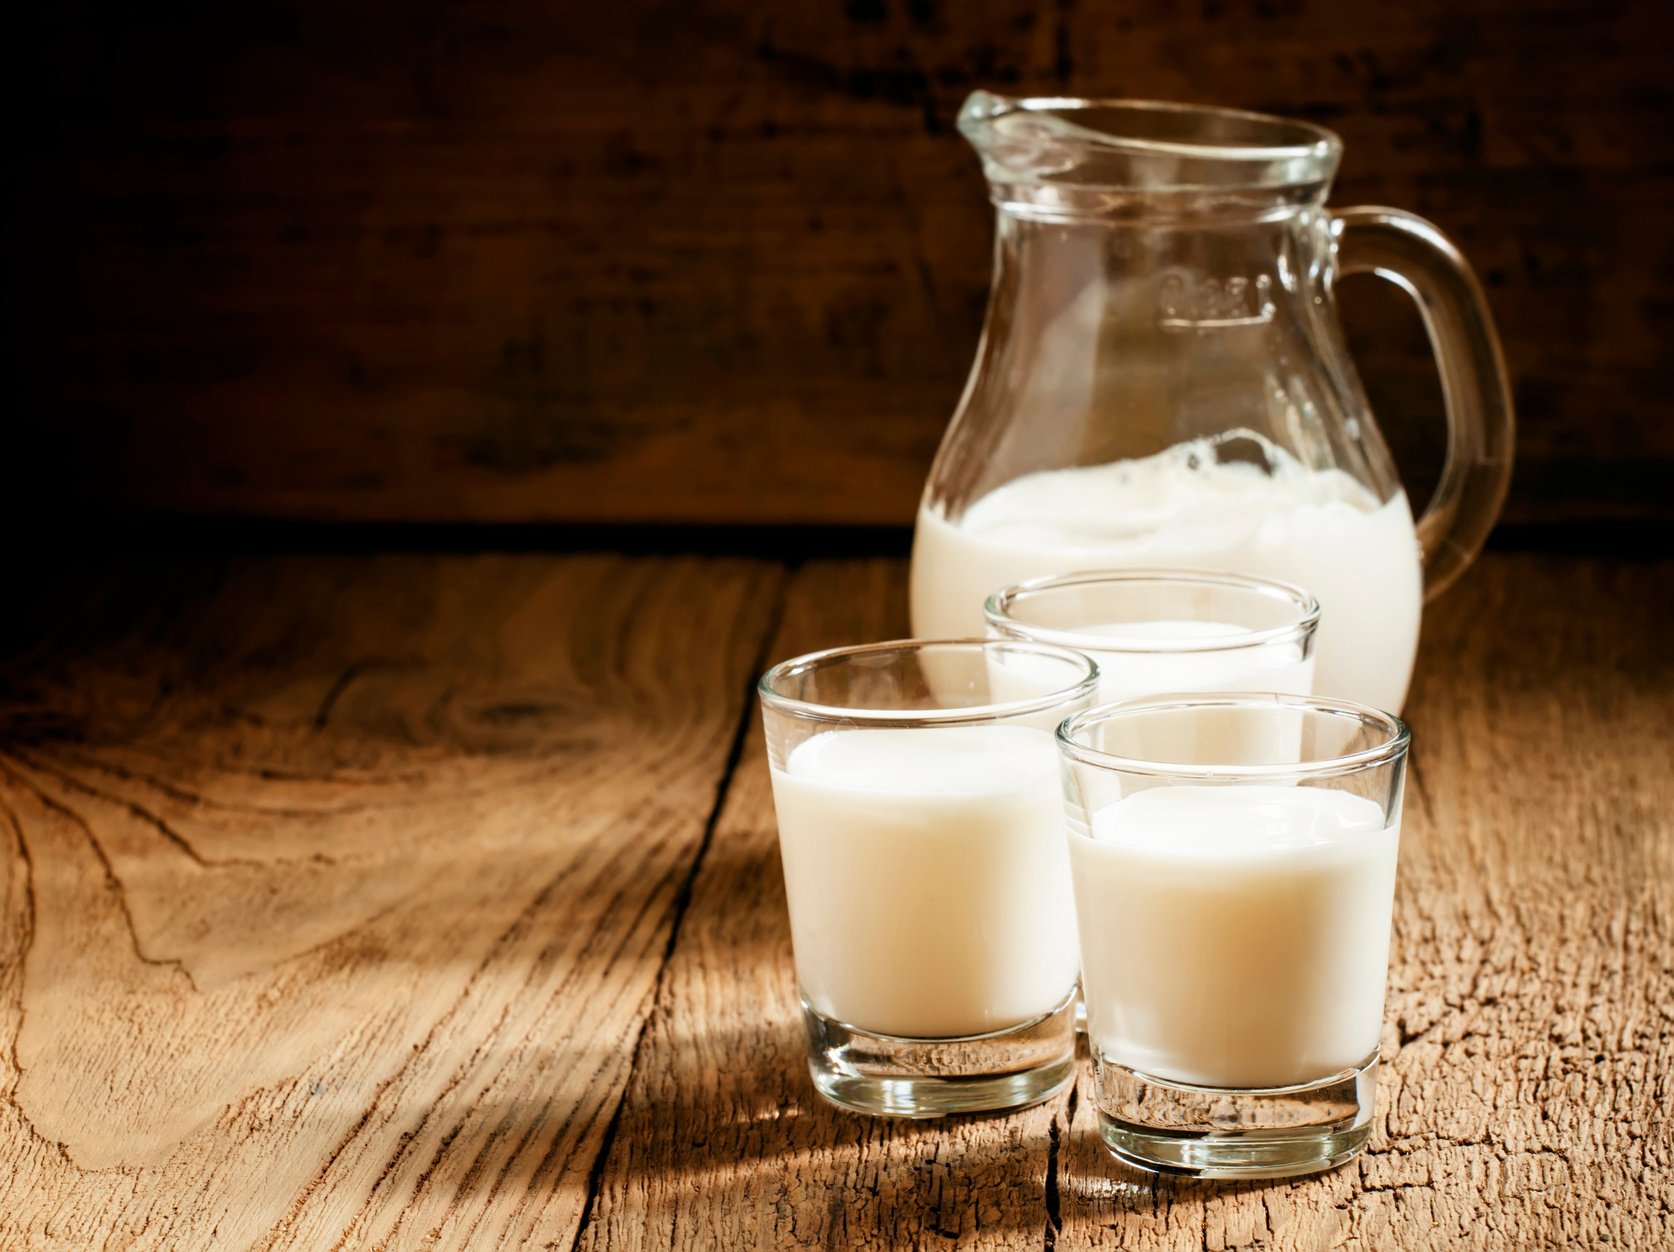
921, 826
1234, 867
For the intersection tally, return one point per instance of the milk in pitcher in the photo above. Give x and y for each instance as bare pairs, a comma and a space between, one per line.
1319, 529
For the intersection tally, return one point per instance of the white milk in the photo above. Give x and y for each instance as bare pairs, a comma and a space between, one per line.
927, 877
1321, 530
1278, 666
1236, 936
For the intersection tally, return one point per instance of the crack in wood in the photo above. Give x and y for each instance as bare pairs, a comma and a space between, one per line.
549, 1157
683, 899
1054, 1213
25, 946
166, 830
113, 881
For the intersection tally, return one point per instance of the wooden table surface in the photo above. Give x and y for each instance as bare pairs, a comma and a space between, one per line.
432, 901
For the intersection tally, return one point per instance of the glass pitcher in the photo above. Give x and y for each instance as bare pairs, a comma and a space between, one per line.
1162, 380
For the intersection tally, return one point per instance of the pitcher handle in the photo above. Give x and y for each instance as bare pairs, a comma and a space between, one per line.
1414, 255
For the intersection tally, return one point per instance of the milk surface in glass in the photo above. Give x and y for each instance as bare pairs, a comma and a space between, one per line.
1319, 529
927, 877
1127, 670
1276, 666
1236, 936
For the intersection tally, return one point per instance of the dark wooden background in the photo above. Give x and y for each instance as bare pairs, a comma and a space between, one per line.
725, 262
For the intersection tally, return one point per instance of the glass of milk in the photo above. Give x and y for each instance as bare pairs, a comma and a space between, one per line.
921, 826
1169, 630
1234, 866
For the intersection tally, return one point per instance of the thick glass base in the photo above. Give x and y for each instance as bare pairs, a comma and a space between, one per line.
894, 1077
1208, 1132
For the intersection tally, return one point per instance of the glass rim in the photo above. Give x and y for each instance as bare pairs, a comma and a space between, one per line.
994, 611
1398, 737
809, 710
1309, 140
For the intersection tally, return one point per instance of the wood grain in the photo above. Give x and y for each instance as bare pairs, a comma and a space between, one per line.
414, 902
1528, 1095
335, 891
1529, 1034
512, 262
723, 1141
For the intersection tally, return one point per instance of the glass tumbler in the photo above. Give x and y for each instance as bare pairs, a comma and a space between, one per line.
1156, 631
921, 826
1234, 866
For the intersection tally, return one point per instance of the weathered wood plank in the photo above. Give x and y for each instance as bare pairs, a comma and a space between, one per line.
336, 899
1529, 1036
335, 891
665, 263
723, 1142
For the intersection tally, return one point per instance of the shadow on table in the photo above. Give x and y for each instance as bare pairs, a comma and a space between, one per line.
726, 1121
721, 1127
